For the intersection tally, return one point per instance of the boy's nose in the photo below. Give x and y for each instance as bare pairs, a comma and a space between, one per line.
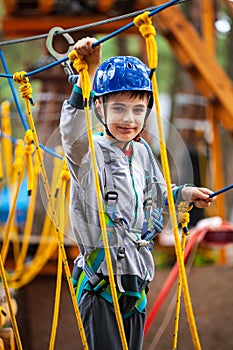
128, 116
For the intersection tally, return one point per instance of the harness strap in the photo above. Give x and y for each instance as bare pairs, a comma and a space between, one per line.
89, 280
111, 195
94, 279
111, 198
139, 306
120, 256
89, 273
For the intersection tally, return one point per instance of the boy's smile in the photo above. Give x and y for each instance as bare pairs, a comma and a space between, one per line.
125, 115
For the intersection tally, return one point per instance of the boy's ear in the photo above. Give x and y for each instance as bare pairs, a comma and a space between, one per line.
99, 107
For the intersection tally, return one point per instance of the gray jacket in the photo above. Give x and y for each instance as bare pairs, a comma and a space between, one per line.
131, 183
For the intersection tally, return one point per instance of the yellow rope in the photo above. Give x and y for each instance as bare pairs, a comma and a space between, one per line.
6, 143
26, 92
145, 22
65, 176
82, 68
18, 160
20, 267
9, 301
5, 249
48, 242
183, 218
20, 169
29, 149
1, 166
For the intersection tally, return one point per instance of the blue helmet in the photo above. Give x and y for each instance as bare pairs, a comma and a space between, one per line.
122, 73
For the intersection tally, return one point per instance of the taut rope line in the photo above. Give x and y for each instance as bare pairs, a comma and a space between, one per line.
25, 89
148, 32
82, 68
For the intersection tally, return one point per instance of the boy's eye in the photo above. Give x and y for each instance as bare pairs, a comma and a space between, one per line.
139, 110
118, 109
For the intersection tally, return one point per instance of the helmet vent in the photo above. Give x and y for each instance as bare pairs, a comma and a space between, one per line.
122, 73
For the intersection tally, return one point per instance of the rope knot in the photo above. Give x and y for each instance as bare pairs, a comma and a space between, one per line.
28, 138
79, 64
81, 67
29, 149
20, 78
183, 215
25, 88
144, 23
148, 32
73, 55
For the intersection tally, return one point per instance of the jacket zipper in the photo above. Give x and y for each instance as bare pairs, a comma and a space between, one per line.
135, 192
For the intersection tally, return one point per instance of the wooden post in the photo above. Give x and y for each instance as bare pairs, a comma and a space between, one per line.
7, 335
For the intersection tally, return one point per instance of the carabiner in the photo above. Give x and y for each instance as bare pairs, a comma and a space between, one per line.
49, 44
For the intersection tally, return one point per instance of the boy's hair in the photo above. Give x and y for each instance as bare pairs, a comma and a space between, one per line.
130, 93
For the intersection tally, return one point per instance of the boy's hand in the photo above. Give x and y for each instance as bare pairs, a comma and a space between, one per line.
157, 220
199, 196
91, 55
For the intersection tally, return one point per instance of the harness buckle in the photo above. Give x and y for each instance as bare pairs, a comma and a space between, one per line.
97, 283
111, 196
121, 252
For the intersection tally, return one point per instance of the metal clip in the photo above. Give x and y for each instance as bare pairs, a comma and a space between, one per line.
58, 56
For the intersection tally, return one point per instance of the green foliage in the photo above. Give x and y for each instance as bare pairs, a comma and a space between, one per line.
18, 57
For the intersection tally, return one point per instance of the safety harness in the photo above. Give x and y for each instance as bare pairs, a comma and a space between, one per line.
87, 278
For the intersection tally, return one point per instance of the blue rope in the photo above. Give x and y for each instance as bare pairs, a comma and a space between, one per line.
131, 24
53, 64
15, 141
23, 120
107, 37
50, 151
39, 70
227, 188
8, 137
14, 92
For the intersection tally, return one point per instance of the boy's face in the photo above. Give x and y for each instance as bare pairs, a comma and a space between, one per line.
125, 115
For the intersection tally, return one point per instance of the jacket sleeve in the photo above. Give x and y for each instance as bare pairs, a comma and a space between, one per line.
73, 128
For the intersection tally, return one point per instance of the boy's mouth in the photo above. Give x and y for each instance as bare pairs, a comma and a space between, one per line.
126, 129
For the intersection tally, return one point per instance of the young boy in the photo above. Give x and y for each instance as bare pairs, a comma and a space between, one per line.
133, 193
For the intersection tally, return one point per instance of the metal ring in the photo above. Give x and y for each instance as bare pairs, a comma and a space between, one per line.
49, 42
